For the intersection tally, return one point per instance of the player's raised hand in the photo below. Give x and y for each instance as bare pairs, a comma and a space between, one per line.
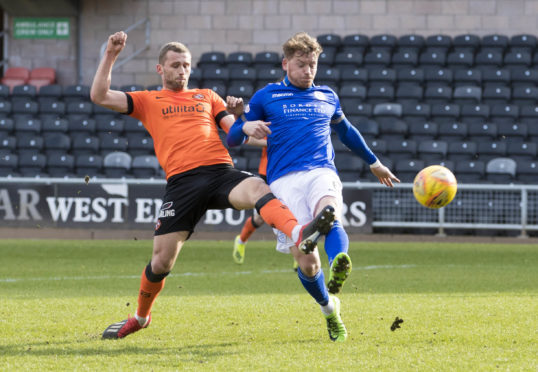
116, 43
235, 106
384, 175
257, 129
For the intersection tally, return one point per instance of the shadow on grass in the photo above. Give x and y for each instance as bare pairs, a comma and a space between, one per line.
112, 348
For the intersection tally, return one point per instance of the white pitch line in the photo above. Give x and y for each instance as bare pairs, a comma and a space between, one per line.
109, 277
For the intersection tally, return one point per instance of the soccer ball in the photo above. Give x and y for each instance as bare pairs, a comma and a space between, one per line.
435, 186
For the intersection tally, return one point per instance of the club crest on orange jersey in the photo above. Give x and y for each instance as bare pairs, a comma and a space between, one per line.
198, 96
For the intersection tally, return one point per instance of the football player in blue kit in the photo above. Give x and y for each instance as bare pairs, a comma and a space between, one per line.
297, 117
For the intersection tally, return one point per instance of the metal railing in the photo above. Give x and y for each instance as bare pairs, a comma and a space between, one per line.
476, 206
147, 24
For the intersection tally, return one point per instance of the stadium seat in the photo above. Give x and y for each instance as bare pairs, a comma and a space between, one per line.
349, 162
145, 166
501, 170
215, 73
439, 42
268, 59
368, 128
213, 59
326, 58
24, 90
329, 40
52, 92
411, 42
56, 143
409, 92
489, 57
496, 76
401, 149
239, 59
241, 89
32, 165
327, 75
467, 95
520, 151
76, 93
358, 109
28, 143
445, 113
218, 87
14, 76
6, 126
108, 124
407, 169
354, 74
504, 113
133, 125
438, 94
517, 58
432, 150
466, 42
495, 42
52, 107
379, 58
527, 171
268, 74
415, 111
460, 59
85, 144
380, 93
5, 108
491, 149
60, 165
522, 42
243, 74
117, 164
482, 131
392, 128
30, 125
496, 95
112, 143
54, 126
410, 75
25, 107
88, 165
404, 58
8, 164
348, 58
42, 76
524, 95
352, 90
80, 108
131, 87
355, 42
82, 126
471, 171
432, 57
462, 150
139, 144
423, 131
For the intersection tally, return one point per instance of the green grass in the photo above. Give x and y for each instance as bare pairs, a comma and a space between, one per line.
466, 307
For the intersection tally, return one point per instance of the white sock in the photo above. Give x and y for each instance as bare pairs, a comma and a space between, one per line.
141, 320
295, 233
329, 308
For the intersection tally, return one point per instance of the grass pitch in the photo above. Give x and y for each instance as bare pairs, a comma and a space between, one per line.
466, 307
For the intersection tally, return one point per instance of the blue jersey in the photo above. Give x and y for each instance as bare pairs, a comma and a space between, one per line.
300, 127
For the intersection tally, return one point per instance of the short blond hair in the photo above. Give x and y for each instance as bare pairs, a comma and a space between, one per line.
173, 46
303, 43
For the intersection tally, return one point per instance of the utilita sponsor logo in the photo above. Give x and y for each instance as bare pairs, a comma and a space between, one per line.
183, 109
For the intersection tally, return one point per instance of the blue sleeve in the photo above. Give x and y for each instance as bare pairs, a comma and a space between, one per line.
352, 138
235, 135
253, 111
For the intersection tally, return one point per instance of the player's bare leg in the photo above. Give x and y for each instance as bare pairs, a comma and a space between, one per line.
166, 248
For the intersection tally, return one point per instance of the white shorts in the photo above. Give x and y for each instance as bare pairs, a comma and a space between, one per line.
301, 192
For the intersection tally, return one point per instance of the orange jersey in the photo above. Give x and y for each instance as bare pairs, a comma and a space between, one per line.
262, 168
183, 126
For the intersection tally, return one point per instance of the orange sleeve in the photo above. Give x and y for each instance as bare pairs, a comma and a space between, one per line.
137, 106
218, 106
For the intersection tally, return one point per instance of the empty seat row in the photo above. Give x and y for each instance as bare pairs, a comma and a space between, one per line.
115, 164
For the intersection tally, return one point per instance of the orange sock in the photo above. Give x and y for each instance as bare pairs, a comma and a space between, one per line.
276, 214
248, 230
147, 295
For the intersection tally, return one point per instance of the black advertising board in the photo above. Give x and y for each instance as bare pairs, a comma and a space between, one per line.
130, 206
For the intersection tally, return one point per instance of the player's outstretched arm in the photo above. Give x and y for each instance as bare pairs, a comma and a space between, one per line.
100, 92
384, 174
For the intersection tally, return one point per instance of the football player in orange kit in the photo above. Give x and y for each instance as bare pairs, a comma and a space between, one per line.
184, 125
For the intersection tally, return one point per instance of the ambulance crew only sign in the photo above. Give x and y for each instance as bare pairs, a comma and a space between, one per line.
40, 28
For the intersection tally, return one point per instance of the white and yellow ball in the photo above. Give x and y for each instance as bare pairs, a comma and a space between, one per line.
435, 186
